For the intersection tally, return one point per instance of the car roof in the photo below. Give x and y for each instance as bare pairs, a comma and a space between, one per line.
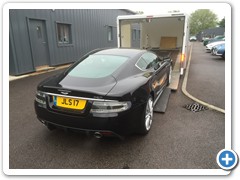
216, 42
122, 52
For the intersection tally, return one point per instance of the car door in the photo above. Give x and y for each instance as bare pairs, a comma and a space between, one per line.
159, 70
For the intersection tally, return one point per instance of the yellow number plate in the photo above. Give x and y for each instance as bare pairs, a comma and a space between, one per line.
70, 103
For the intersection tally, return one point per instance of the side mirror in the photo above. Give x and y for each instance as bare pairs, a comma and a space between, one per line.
156, 66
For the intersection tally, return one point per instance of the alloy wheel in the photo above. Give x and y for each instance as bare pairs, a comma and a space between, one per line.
149, 114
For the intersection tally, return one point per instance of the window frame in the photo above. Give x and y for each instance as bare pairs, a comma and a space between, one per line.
143, 58
70, 34
134, 34
139, 34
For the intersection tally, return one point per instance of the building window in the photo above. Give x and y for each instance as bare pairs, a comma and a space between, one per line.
134, 32
110, 33
64, 33
139, 34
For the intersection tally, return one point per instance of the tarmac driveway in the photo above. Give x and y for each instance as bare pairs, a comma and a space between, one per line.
179, 138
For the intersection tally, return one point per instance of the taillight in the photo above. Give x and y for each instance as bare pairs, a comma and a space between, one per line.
182, 57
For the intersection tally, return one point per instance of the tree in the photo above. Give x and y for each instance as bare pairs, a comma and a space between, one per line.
202, 19
222, 23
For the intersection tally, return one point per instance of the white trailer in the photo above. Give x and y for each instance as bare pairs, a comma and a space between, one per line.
165, 32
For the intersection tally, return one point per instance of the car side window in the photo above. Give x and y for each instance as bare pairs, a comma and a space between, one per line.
147, 61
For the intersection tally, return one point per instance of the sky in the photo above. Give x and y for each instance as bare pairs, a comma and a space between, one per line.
185, 8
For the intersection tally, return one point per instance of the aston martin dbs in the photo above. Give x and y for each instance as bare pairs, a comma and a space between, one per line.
108, 92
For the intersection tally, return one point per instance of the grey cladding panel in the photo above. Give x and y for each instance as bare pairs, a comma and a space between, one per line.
20, 42
88, 32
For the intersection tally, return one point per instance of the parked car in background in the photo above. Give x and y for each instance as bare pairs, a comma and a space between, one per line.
217, 38
211, 45
108, 92
193, 38
205, 38
219, 50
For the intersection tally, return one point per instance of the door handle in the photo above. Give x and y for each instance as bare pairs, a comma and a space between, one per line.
44, 42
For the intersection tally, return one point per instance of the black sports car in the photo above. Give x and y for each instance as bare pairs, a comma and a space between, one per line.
108, 92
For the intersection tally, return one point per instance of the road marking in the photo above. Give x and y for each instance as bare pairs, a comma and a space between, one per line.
184, 85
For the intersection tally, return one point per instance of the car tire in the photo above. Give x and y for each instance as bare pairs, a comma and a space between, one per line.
223, 55
169, 76
212, 52
147, 117
51, 127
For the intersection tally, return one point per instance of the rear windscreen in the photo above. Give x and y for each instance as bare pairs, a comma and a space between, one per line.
97, 66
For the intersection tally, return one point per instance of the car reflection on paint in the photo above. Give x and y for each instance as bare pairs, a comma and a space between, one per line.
108, 92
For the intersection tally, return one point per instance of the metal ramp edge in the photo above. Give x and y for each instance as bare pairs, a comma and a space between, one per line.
175, 75
162, 103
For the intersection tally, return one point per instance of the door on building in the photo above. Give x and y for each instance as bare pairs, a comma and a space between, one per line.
126, 38
39, 43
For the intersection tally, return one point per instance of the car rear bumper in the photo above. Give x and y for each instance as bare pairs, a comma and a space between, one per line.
208, 48
123, 124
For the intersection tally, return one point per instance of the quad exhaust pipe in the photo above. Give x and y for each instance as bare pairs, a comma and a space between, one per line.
98, 135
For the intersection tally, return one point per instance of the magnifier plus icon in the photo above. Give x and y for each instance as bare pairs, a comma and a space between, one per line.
227, 159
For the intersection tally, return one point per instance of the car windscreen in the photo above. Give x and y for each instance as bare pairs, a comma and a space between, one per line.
97, 66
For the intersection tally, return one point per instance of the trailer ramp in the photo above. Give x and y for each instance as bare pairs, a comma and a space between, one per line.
161, 105
175, 55
175, 75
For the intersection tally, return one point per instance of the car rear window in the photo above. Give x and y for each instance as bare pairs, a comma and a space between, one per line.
97, 66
